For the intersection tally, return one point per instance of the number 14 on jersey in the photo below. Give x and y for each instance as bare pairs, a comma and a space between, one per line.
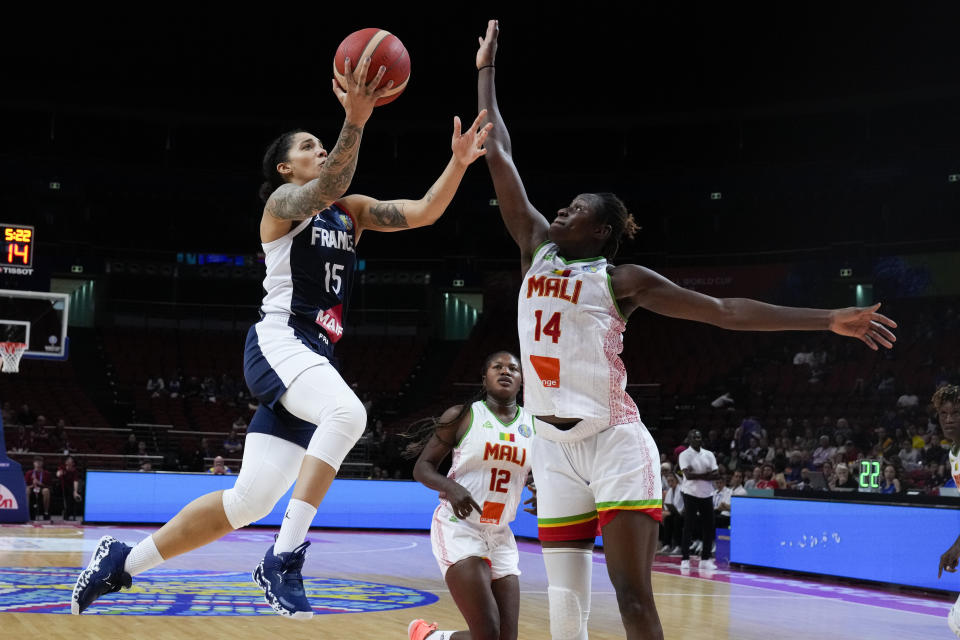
551, 329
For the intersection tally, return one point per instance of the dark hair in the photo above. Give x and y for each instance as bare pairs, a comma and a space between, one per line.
421, 431
612, 211
276, 153
946, 393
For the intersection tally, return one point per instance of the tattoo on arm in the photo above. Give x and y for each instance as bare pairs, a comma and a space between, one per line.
389, 214
290, 202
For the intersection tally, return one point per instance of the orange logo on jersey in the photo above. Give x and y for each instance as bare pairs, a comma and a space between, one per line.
553, 287
508, 452
548, 369
492, 512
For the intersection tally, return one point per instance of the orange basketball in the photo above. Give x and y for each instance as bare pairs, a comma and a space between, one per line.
385, 50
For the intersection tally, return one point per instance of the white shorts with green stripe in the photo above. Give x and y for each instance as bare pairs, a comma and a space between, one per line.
582, 485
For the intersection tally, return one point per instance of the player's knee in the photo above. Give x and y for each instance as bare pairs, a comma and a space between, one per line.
242, 508
354, 417
567, 615
634, 603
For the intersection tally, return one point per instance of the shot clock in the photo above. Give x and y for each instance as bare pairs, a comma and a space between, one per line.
869, 475
16, 246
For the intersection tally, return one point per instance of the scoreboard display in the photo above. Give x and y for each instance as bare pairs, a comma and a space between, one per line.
16, 247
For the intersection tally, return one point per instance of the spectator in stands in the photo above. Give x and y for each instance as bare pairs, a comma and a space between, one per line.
142, 453
39, 481
793, 472
671, 527
219, 467
240, 424
823, 452
767, 480
890, 482
666, 470
916, 438
932, 450
26, 415
208, 389
156, 386
828, 471
936, 477
843, 479
721, 502
755, 477
173, 386
886, 444
909, 457
146, 466
7, 413
130, 446
69, 477
700, 469
23, 441
41, 436
233, 445
191, 387
749, 428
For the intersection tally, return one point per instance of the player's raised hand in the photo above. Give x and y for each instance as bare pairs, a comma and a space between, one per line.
487, 53
358, 97
468, 145
865, 324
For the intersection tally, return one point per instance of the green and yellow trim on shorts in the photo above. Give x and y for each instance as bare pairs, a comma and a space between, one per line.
608, 510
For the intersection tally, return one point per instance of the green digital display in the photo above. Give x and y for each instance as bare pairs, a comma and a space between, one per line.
869, 474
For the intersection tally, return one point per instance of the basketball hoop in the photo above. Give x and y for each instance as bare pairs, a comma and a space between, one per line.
11, 352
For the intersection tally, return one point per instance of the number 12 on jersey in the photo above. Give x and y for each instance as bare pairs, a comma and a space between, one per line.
499, 480
551, 329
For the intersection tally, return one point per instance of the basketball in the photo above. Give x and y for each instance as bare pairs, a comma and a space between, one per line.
385, 50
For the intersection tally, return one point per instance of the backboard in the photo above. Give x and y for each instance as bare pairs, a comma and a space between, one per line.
38, 319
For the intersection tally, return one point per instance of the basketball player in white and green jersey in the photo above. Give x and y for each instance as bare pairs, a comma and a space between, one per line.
946, 401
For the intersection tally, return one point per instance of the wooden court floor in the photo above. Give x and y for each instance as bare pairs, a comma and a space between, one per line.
385, 578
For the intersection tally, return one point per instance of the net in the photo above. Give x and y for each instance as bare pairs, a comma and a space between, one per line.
11, 352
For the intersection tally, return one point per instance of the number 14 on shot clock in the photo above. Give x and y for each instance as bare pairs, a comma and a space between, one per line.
16, 245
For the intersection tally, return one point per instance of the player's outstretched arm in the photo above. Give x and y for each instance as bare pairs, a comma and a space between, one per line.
397, 215
526, 225
635, 286
298, 202
439, 446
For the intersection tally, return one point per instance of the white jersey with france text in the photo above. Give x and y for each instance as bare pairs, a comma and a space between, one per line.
571, 336
492, 461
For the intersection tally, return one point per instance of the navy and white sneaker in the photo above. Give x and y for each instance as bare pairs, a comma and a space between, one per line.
282, 583
103, 575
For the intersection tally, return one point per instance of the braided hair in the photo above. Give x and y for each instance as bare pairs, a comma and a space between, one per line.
613, 212
422, 430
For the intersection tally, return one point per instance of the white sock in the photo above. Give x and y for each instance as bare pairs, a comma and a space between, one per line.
296, 523
441, 635
142, 557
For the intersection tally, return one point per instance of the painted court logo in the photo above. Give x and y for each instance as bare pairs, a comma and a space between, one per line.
7, 499
179, 592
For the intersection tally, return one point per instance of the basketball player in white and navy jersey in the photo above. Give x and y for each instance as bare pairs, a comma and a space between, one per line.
472, 541
309, 418
595, 464
946, 400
